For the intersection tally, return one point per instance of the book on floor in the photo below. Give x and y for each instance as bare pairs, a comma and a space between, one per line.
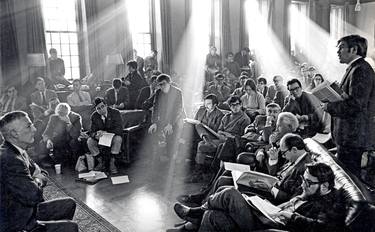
120, 179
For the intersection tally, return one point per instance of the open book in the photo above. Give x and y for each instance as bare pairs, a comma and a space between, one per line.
242, 175
196, 122
327, 92
265, 207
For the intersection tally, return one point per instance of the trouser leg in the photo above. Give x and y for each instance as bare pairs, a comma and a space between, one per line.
351, 158
58, 209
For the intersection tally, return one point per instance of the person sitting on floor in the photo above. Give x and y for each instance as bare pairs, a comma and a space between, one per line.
105, 120
61, 134
320, 207
117, 97
22, 207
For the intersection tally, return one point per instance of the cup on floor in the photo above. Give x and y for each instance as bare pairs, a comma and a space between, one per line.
58, 169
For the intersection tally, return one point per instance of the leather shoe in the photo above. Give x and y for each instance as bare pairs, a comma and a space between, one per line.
193, 215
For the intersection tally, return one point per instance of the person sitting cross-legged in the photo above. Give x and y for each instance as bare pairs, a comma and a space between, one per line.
105, 120
22, 207
320, 207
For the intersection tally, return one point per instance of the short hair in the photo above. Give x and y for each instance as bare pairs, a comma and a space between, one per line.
39, 79
61, 106
251, 83
229, 53
163, 77
294, 140
262, 79
213, 98
77, 80
289, 119
246, 49
273, 105
156, 72
242, 77
52, 50
277, 76
219, 76
116, 83
153, 78
292, 81
233, 99
213, 47
322, 172
99, 100
133, 64
355, 41
9, 118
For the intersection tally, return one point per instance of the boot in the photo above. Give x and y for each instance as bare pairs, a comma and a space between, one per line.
100, 165
112, 166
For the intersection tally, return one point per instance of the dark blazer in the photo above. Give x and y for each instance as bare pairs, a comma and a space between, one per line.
19, 193
143, 95
122, 97
113, 122
37, 98
56, 127
137, 82
212, 120
350, 117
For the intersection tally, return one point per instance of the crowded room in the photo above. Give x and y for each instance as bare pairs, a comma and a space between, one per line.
187, 115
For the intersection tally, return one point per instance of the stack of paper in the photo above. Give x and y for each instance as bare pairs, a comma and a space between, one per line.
120, 179
92, 176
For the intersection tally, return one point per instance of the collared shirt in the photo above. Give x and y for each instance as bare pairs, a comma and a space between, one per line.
23, 154
351, 62
73, 99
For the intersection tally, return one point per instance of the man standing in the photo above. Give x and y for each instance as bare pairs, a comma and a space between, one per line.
105, 120
134, 82
351, 116
22, 181
118, 96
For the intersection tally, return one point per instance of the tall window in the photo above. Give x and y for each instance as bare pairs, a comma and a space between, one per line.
216, 24
61, 33
337, 21
140, 25
298, 12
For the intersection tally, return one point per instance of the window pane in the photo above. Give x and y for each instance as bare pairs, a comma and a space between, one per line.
73, 38
65, 50
64, 38
55, 38
75, 73
75, 61
74, 49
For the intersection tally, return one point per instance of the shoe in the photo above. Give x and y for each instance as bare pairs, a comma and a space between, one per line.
191, 198
100, 165
112, 166
185, 226
193, 215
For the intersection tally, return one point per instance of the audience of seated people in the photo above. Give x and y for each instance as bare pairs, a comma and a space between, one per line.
220, 89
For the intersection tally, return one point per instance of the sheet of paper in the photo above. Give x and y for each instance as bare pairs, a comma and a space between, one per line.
192, 121
92, 175
236, 167
267, 208
235, 176
106, 139
86, 175
120, 179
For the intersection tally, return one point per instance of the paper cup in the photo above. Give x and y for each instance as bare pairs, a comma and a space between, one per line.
58, 169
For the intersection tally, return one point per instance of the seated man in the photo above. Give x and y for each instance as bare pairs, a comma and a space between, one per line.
40, 98
232, 124
11, 101
293, 149
117, 97
320, 207
306, 107
78, 97
277, 92
146, 92
240, 91
61, 134
219, 88
22, 207
105, 120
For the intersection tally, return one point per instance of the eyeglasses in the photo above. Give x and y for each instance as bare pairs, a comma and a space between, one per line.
294, 89
100, 107
234, 104
308, 182
283, 152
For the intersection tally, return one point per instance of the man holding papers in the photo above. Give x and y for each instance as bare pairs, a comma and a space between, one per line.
320, 207
106, 123
351, 116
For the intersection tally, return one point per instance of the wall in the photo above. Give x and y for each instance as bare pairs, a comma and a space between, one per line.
365, 23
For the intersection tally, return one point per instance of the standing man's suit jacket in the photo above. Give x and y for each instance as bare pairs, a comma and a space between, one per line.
19, 193
351, 116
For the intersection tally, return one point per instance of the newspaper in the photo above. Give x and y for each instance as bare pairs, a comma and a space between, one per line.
196, 122
265, 207
327, 92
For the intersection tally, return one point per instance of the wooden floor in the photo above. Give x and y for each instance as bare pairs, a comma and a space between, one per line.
144, 204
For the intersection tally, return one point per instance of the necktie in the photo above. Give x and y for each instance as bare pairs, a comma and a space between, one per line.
7, 104
80, 97
116, 97
44, 102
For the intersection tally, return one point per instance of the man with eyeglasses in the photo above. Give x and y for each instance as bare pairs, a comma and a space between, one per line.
167, 112
320, 207
105, 120
306, 107
354, 116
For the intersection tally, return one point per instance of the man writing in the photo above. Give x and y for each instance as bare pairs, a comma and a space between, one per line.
21, 197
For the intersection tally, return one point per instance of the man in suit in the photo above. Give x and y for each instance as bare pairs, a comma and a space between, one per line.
146, 92
41, 98
22, 206
78, 98
118, 96
62, 132
351, 117
134, 82
105, 120
11, 101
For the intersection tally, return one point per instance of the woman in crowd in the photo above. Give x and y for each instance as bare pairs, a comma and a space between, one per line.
317, 80
253, 102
